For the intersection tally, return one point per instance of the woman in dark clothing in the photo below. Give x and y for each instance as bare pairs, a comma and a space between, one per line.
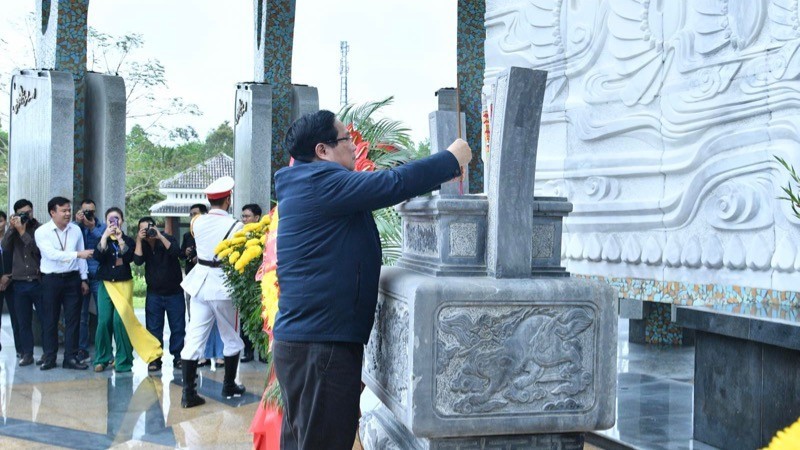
115, 313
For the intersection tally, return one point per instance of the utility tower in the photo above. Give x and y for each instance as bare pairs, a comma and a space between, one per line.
343, 69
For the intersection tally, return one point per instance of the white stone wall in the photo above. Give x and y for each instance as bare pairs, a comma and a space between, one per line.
660, 125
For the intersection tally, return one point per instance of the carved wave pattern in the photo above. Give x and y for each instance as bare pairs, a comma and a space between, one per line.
670, 115
387, 350
514, 360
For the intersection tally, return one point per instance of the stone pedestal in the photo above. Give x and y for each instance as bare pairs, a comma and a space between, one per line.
41, 138
445, 236
457, 356
746, 384
104, 167
380, 431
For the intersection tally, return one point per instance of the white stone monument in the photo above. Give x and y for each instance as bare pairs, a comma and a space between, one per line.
660, 124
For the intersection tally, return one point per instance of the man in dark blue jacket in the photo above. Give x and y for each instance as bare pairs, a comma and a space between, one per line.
329, 261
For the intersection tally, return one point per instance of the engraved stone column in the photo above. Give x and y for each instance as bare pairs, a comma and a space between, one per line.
104, 168
41, 138
444, 130
252, 138
515, 135
252, 145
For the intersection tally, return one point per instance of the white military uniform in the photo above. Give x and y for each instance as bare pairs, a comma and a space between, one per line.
210, 297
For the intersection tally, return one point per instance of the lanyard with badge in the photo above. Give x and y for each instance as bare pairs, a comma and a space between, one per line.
63, 245
117, 254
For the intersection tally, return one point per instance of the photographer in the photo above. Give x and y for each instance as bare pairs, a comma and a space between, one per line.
92, 228
6, 288
20, 243
162, 272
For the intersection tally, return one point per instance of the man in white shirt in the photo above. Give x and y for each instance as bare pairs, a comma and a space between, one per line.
64, 281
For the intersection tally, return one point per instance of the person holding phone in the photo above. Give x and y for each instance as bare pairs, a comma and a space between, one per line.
115, 315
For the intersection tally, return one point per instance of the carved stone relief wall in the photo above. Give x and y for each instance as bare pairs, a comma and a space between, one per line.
660, 124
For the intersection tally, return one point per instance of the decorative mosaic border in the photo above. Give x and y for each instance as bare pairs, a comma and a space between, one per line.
278, 73
471, 35
659, 328
70, 56
679, 293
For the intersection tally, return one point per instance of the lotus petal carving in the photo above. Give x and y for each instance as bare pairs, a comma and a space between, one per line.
691, 256
712, 256
734, 256
612, 250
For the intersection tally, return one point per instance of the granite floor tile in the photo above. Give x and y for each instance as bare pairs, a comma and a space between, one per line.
87, 410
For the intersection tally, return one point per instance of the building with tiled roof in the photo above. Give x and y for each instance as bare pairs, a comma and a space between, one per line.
186, 188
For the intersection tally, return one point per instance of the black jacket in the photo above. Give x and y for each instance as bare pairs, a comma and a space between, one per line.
108, 269
329, 251
162, 271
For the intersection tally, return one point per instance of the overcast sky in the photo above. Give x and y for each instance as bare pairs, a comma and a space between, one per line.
405, 48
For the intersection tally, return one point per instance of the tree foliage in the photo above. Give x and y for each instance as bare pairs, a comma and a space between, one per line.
148, 162
147, 93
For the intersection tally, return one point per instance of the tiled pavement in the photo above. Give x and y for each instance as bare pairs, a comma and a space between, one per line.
87, 410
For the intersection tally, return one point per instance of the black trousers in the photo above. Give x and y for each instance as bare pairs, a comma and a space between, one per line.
321, 387
61, 290
27, 296
8, 296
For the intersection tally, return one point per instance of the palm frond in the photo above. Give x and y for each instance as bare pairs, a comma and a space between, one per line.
387, 160
792, 197
357, 115
388, 223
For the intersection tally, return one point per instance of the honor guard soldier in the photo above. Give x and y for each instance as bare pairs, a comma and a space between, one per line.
210, 297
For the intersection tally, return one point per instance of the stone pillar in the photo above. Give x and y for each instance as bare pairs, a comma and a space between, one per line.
252, 139
305, 99
252, 145
471, 64
104, 168
469, 351
61, 45
41, 138
519, 99
274, 34
444, 130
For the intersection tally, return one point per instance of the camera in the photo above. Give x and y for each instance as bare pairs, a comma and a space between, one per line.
151, 231
24, 217
88, 214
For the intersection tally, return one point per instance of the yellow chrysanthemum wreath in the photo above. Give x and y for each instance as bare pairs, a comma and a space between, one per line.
241, 257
